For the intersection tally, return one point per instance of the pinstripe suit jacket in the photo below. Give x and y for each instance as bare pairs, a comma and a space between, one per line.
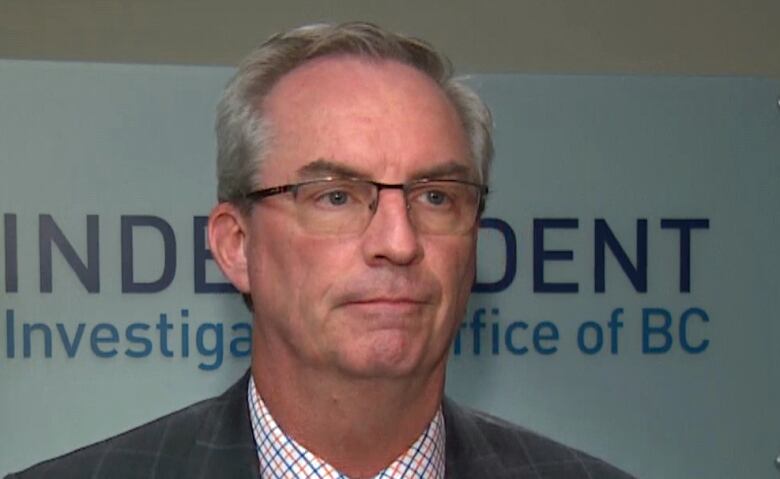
213, 439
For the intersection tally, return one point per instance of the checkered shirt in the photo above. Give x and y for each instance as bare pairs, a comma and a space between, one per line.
283, 458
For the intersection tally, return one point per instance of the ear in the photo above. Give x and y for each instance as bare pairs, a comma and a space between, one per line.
228, 234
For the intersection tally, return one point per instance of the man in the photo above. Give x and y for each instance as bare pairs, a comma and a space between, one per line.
352, 172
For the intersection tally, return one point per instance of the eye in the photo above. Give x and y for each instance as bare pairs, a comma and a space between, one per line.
334, 195
436, 197
334, 198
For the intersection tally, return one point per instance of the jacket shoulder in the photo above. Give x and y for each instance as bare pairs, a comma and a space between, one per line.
477, 441
159, 448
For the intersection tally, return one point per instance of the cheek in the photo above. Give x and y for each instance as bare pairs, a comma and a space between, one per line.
454, 263
275, 273
291, 275
317, 263
311, 267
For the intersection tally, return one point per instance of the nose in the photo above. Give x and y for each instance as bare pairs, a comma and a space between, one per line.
390, 237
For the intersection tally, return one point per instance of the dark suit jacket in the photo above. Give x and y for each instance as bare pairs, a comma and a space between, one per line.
213, 439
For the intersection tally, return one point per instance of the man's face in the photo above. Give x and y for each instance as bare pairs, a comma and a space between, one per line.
384, 302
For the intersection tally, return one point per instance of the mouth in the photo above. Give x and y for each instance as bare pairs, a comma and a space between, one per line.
387, 300
388, 297
386, 303
398, 308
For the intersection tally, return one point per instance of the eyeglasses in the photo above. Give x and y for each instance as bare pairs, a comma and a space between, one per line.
343, 206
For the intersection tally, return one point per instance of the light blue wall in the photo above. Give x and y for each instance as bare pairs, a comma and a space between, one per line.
118, 140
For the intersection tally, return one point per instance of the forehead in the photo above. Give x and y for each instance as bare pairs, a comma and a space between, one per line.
380, 117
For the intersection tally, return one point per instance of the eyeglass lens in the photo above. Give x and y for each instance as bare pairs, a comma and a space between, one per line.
347, 206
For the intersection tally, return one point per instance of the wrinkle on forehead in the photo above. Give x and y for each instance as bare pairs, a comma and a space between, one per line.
332, 168
362, 113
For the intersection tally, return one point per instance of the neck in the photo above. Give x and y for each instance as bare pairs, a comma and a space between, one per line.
358, 425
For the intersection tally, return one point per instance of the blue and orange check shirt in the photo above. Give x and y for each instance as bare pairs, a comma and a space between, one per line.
283, 458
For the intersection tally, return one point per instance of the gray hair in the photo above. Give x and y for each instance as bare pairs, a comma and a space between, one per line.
243, 132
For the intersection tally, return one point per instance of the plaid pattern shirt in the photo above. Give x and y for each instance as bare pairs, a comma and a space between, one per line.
283, 458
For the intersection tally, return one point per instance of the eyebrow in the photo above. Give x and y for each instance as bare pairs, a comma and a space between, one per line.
323, 167
445, 170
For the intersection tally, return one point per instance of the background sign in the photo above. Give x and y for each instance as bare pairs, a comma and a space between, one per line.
627, 290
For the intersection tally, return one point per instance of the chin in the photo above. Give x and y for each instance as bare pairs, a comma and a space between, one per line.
386, 356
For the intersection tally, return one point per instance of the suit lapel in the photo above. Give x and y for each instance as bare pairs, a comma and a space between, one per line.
224, 446
468, 452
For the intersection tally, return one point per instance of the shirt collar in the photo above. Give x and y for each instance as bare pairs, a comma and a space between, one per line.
281, 457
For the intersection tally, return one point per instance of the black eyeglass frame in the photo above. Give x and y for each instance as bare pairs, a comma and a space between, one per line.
258, 195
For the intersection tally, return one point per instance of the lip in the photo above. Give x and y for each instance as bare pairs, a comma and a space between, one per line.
393, 306
388, 304
384, 300
385, 314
